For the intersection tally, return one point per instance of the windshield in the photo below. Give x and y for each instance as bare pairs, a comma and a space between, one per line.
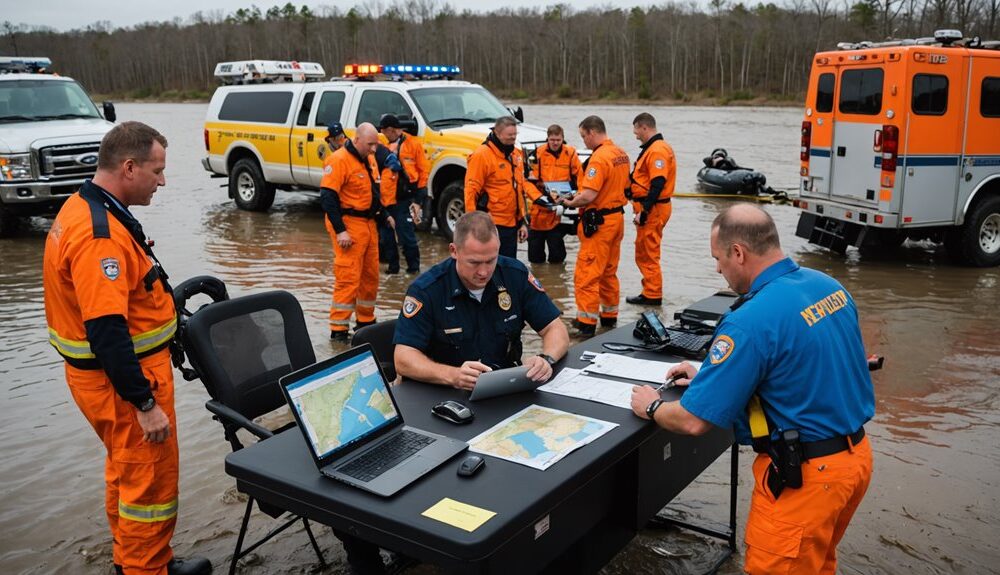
456, 105
39, 100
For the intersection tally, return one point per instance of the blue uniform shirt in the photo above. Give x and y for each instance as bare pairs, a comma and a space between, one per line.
796, 342
442, 319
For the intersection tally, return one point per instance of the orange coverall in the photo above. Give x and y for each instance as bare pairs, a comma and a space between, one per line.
655, 160
355, 268
87, 277
596, 277
503, 182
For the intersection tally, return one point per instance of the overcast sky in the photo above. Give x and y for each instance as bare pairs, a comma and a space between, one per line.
69, 14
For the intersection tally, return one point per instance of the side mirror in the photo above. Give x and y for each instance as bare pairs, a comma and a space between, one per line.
517, 112
409, 126
109, 111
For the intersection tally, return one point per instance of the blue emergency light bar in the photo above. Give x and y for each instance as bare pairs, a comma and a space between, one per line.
421, 70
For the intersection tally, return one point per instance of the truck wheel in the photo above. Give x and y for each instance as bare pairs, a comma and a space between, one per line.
248, 187
9, 224
977, 241
451, 206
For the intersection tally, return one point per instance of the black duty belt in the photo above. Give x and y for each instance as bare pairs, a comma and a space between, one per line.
659, 201
609, 211
369, 213
822, 448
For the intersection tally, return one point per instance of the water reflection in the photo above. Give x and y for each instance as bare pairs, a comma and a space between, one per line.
933, 506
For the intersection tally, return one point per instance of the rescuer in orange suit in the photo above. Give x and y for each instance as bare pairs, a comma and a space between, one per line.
111, 317
601, 228
494, 183
557, 162
406, 205
350, 196
652, 187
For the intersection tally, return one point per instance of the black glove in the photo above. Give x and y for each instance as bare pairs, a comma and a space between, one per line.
643, 216
545, 202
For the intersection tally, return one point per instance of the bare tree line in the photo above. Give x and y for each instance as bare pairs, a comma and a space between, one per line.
726, 50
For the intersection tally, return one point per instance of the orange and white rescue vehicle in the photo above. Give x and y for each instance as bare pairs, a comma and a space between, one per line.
901, 139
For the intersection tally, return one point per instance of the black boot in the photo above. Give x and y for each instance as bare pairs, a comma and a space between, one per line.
643, 300
609, 321
362, 324
339, 337
584, 330
189, 566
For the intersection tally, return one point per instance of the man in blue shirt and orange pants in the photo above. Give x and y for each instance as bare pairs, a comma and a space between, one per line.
787, 372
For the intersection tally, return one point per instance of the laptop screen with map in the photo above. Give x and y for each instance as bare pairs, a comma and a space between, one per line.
343, 404
354, 428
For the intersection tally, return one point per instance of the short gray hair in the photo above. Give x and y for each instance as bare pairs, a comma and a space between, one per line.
748, 225
503, 122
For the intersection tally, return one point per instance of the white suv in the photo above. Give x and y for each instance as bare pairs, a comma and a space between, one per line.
50, 131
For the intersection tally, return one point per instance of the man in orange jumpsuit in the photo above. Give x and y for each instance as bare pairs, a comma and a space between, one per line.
557, 162
601, 228
111, 317
788, 374
652, 187
407, 200
350, 197
494, 183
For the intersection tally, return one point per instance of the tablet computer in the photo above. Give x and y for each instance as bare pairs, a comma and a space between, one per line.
502, 382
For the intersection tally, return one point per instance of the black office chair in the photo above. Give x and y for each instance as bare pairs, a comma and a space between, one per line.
239, 348
379, 336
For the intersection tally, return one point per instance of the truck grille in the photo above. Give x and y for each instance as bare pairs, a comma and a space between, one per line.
73, 161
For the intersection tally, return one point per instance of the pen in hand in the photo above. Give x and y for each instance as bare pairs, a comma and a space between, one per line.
670, 382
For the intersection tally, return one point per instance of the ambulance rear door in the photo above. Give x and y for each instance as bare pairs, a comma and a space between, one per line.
820, 118
853, 166
931, 154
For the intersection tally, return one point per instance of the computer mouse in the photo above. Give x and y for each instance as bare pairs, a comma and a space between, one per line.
471, 465
453, 411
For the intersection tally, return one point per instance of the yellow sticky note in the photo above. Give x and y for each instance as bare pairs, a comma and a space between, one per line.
458, 514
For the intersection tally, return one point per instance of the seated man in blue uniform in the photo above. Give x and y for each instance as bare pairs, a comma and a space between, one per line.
464, 316
787, 372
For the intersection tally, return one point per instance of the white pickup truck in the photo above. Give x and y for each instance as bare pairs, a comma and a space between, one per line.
50, 131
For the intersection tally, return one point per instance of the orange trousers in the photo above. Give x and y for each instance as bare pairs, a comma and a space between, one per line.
648, 237
140, 477
355, 273
798, 533
595, 281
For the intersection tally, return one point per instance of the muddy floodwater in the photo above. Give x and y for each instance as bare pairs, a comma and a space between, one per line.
933, 504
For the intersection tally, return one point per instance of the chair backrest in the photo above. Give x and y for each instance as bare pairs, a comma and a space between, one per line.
241, 346
379, 336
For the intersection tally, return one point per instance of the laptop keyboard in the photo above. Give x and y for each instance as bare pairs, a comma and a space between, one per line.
384, 457
687, 343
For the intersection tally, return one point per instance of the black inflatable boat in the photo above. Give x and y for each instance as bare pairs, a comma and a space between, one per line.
724, 177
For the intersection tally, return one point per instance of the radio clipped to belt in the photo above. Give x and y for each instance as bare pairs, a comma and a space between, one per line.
786, 453
591, 221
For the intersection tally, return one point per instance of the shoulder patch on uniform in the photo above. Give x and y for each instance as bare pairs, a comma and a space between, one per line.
110, 268
411, 306
592, 172
721, 349
327, 169
534, 281
658, 164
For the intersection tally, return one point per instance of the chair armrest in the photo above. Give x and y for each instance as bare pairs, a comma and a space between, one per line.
229, 415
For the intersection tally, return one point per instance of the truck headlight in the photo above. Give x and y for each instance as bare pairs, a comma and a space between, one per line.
15, 167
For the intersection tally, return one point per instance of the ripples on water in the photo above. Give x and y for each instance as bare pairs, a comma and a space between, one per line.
932, 507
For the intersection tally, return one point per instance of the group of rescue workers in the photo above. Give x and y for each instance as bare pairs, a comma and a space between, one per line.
372, 193
786, 370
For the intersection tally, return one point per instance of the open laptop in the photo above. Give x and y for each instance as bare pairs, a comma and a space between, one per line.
354, 428
502, 382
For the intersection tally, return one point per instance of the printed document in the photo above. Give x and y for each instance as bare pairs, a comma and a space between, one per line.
632, 368
573, 383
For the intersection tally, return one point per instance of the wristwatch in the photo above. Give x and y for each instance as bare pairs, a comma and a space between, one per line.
147, 405
548, 358
652, 407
